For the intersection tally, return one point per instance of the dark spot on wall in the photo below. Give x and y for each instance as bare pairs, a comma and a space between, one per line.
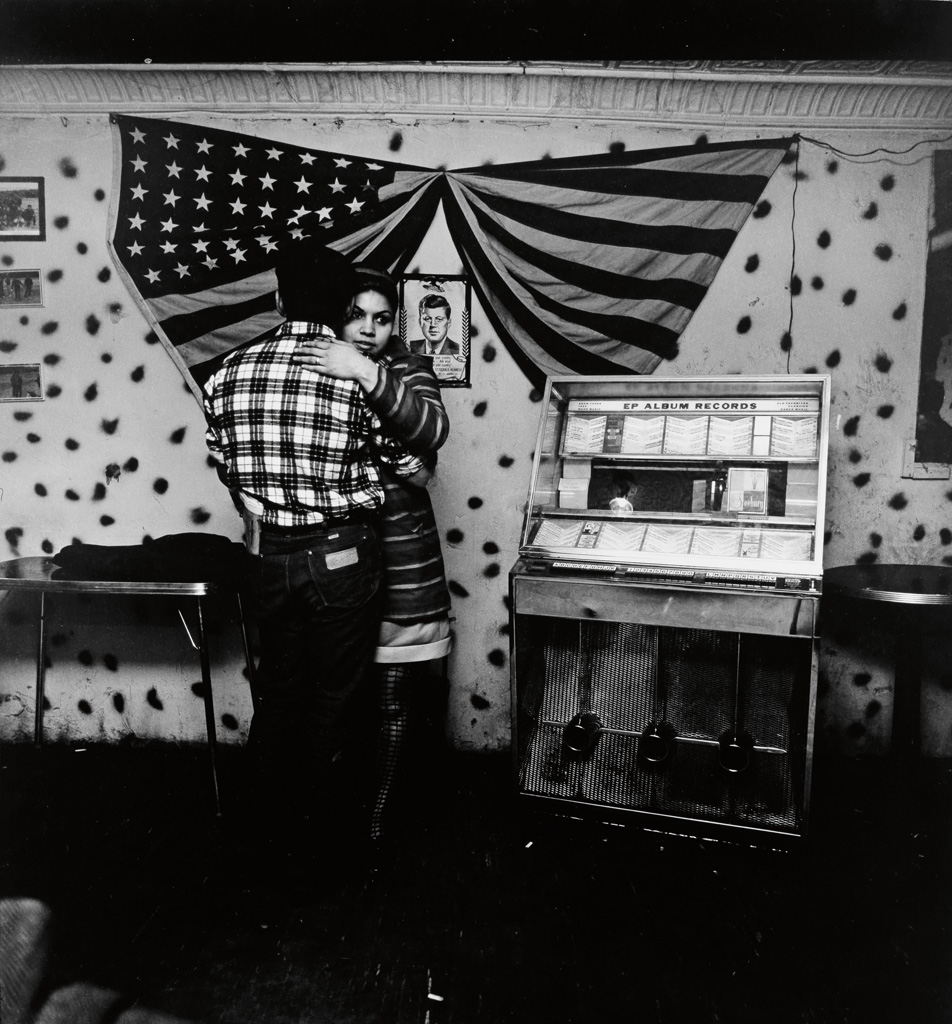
151, 338
833, 359
160, 485
47, 547
790, 156
701, 140
616, 147
816, 283
7, 346
883, 363
71, 495
106, 357
491, 547
131, 465
51, 359
99, 491
104, 275
21, 416
40, 489
832, 166
535, 395
137, 374
883, 251
861, 479
899, 313
109, 426
823, 239
457, 589
99, 195
106, 520
84, 706
54, 391
827, 536
489, 353
396, 142
50, 327
851, 426
504, 629
875, 539
796, 285
91, 393
153, 700
82, 248
919, 532
93, 323
861, 678
111, 662
873, 708
9, 456
491, 571
229, 721
199, 516
479, 409
13, 535
898, 501
6, 260
113, 472
85, 657
198, 689
753, 262
885, 411
454, 536
177, 436
855, 455
496, 657
478, 702
71, 444
856, 730
61, 222
786, 341
119, 702
475, 502
54, 275
67, 168
799, 175
945, 535
871, 212
506, 461
887, 183
743, 325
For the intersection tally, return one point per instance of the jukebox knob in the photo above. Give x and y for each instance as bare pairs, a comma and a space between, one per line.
581, 735
657, 743
735, 749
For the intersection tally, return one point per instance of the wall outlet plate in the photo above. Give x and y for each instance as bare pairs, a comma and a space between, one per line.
912, 470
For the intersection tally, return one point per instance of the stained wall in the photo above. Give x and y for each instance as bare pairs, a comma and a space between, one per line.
826, 276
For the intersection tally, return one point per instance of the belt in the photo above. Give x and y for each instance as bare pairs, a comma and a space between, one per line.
355, 518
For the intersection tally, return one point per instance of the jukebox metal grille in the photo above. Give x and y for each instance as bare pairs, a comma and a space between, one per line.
697, 724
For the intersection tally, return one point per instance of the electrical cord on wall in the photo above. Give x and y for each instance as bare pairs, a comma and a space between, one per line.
793, 247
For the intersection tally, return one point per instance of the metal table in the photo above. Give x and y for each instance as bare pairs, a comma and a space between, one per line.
36, 573
909, 588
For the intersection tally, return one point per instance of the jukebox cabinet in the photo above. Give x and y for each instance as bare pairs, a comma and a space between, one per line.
664, 606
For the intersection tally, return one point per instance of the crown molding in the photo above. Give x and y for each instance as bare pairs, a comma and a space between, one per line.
880, 95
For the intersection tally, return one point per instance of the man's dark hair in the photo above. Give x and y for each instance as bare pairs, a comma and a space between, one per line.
315, 283
431, 301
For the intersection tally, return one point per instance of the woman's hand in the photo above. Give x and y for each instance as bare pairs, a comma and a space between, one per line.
337, 359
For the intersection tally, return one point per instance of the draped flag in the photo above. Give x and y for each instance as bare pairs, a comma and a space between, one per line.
199, 215
587, 265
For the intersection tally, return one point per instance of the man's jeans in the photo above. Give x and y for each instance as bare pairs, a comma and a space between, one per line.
317, 613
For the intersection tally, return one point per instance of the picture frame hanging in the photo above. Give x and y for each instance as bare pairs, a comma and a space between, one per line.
22, 210
434, 322
20, 288
21, 382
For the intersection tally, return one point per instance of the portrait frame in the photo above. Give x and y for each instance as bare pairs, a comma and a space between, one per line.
22, 209
452, 365
21, 382
21, 289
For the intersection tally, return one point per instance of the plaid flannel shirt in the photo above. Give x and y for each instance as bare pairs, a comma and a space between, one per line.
298, 446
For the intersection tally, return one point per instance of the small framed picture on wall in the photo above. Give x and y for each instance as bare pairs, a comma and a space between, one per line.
21, 382
20, 288
434, 322
22, 210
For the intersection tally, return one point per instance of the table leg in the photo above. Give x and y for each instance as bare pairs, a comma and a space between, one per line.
40, 673
908, 683
210, 724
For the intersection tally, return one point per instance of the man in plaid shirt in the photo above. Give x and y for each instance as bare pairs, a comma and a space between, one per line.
297, 449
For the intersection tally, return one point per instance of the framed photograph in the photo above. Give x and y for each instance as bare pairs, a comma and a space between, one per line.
434, 322
21, 382
20, 288
22, 210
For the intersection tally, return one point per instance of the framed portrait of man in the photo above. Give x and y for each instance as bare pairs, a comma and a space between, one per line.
434, 322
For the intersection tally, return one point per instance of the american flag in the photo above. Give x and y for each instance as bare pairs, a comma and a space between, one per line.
586, 265
199, 215
596, 264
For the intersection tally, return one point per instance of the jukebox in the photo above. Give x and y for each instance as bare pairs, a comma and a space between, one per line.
664, 605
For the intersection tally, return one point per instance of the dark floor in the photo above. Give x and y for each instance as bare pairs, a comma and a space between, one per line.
482, 912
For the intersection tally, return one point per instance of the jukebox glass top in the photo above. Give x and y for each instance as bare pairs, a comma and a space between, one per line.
712, 471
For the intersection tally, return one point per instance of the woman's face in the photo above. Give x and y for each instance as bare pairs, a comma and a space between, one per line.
369, 324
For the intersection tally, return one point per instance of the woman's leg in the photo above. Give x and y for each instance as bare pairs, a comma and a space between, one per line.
391, 737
